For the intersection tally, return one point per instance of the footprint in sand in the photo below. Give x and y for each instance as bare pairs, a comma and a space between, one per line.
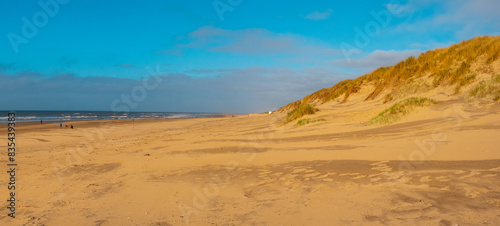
495, 169
473, 173
311, 175
262, 175
265, 182
264, 178
394, 176
298, 170
381, 166
379, 163
324, 176
442, 179
425, 179
349, 174
473, 192
262, 172
276, 174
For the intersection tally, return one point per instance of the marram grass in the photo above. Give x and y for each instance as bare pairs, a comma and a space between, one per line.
308, 121
305, 109
486, 89
400, 109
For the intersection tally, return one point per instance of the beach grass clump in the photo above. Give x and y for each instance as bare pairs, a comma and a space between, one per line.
400, 109
299, 112
308, 121
487, 89
464, 82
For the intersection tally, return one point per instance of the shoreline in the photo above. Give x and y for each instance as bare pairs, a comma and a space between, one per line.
35, 126
193, 115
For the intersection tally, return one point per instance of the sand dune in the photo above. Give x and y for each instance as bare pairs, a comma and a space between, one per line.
440, 166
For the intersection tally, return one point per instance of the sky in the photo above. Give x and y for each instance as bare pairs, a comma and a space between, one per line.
225, 56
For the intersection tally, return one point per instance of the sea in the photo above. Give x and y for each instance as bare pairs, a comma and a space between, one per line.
61, 116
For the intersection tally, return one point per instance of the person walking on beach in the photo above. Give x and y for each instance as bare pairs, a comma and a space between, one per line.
60, 125
71, 126
41, 122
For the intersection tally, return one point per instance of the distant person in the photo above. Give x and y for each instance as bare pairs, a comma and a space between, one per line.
41, 122
60, 125
71, 126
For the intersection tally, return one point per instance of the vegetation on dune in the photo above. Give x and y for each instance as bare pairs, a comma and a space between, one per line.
446, 66
300, 111
486, 89
464, 81
308, 121
400, 109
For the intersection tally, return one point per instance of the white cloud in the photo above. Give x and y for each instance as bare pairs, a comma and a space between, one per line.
316, 15
254, 41
376, 59
466, 18
431, 45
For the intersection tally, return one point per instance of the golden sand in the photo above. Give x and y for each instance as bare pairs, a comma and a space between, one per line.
251, 170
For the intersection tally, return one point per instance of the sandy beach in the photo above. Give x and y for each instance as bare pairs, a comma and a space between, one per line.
439, 166
233, 112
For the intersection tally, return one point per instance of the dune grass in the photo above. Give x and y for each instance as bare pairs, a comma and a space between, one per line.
400, 109
298, 112
308, 121
485, 89
446, 66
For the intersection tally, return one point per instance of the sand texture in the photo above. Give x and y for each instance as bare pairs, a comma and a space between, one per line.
439, 166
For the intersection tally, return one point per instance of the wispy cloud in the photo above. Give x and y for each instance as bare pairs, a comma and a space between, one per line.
211, 71
255, 89
431, 45
465, 18
376, 59
172, 52
253, 41
317, 15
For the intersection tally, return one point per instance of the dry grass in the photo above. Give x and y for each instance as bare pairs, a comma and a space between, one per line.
308, 121
400, 109
446, 66
300, 111
489, 89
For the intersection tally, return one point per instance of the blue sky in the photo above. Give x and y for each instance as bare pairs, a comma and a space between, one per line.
234, 56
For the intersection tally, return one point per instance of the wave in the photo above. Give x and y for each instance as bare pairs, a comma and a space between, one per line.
63, 116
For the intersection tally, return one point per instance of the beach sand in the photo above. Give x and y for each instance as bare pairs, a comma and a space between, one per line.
440, 166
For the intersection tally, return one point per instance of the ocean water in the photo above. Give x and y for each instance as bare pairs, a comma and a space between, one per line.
61, 116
